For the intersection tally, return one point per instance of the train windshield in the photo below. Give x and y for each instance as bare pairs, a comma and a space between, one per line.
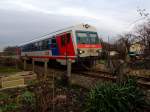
87, 37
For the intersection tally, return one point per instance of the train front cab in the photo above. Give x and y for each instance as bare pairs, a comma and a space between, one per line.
88, 46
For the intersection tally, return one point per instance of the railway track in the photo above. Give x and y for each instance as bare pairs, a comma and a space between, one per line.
106, 76
141, 81
97, 74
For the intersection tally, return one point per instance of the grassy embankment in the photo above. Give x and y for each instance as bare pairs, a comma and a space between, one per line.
8, 70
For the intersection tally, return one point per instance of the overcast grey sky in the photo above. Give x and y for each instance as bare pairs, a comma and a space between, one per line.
24, 20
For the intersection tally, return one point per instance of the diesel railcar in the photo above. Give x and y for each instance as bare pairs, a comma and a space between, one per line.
77, 43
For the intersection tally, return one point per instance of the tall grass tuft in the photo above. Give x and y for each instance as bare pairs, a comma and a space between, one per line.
112, 97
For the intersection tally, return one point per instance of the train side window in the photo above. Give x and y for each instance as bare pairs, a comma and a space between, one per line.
50, 41
23, 48
36, 46
29, 47
53, 41
68, 37
45, 44
40, 45
32, 47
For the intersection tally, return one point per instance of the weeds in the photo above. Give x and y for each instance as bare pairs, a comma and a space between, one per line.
108, 97
9, 107
27, 99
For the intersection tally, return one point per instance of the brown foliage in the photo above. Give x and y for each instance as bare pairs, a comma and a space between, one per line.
143, 35
123, 44
10, 50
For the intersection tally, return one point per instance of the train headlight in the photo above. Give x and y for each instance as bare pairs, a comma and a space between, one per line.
80, 51
99, 50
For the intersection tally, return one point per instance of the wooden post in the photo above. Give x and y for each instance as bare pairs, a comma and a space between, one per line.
16, 61
121, 71
25, 64
69, 68
33, 65
45, 68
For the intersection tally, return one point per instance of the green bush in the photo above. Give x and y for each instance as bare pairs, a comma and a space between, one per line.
3, 96
27, 99
111, 97
8, 107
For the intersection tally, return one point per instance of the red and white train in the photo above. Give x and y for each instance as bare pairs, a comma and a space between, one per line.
77, 43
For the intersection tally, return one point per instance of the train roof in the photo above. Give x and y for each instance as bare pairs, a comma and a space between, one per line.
85, 27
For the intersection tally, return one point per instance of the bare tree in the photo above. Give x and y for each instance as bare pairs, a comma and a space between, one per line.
10, 50
123, 44
143, 35
143, 31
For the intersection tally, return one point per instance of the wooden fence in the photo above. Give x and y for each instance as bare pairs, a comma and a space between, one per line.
16, 80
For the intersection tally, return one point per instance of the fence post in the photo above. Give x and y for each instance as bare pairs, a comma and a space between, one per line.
33, 65
16, 61
45, 68
69, 68
25, 64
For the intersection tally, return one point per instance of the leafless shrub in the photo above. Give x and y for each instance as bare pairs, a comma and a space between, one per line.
10, 50
143, 35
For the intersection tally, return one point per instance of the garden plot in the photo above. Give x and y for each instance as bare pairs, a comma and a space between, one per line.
19, 79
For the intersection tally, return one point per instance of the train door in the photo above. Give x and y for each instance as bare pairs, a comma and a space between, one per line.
65, 45
54, 47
